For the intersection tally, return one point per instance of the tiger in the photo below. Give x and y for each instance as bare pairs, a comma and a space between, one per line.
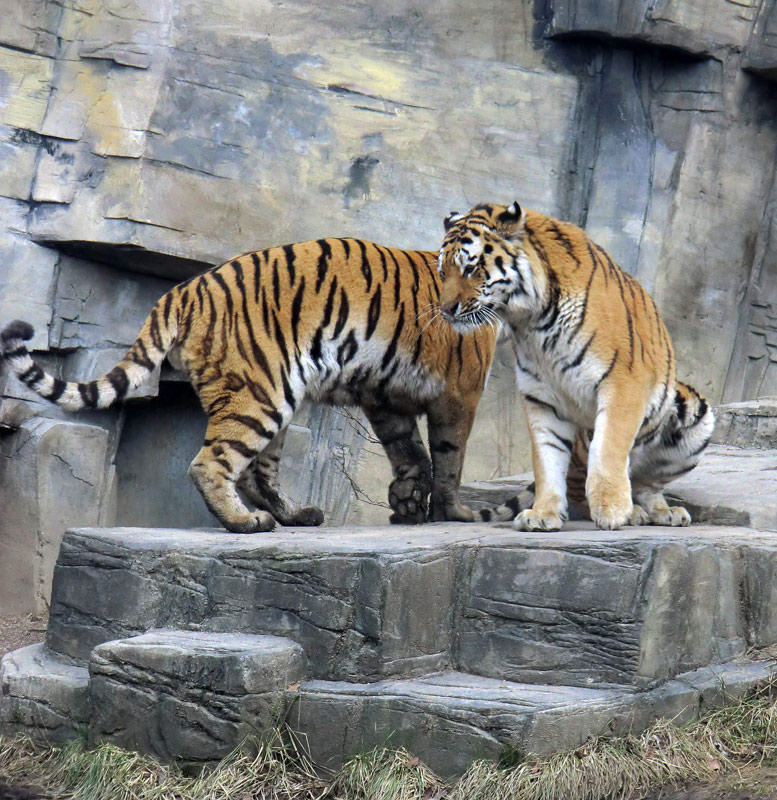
337, 320
609, 423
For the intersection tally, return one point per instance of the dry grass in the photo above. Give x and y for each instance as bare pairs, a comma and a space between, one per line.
742, 734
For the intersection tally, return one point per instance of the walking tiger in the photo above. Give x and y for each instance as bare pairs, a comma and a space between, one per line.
594, 364
342, 321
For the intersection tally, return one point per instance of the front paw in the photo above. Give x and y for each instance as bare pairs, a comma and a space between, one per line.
409, 496
450, 512
611, 514
532, 519
672, 516
639, 516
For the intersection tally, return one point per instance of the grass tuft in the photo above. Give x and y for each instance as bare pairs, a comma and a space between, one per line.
275, 768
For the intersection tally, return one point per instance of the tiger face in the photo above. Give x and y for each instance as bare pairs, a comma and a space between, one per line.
483, 266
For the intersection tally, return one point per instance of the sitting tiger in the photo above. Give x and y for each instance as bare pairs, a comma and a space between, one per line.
341, 321
594, 365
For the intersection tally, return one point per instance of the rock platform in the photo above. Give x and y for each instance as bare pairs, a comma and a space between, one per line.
455, 640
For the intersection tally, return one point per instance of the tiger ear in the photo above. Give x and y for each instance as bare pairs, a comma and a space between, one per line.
510, 222
454, 216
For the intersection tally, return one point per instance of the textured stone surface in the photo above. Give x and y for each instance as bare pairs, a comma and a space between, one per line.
42, 696
698, 27
578, 607
41, 463
189, 696
452, 719
751, 424
140, 146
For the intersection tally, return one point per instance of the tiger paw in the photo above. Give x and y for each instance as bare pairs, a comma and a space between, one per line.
450, 512
538, 520
639, 516
612, 516
671, 516
257, 522
308, 516
409, 496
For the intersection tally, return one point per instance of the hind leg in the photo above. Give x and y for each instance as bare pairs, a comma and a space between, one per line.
232, 441
450, 423
259, 483
410, 464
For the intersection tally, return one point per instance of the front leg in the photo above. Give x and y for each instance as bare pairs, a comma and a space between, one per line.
619, 416
450, 422
410, 464
552, 439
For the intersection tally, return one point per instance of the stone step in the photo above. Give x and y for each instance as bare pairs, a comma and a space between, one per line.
752, 424
43, 695
580, 607
451, 719
190, 696
732, 485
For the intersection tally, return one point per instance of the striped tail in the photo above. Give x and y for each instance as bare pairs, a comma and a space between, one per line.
511, 508
155, 339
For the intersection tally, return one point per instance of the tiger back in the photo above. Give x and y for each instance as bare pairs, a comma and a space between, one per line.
341, 321
594, 364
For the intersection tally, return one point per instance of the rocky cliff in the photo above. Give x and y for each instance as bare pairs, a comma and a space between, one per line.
142, 140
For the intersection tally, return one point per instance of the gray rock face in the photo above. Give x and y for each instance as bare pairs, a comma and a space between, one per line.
189, 696
455, 641
137, 149
580, 607
452, 719
42, 695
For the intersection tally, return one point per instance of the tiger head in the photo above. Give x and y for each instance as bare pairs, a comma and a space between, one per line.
483, 265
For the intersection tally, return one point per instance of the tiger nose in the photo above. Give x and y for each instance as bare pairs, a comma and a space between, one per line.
450, 309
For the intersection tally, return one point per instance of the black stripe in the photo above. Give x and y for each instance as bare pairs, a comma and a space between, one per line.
31, 375
142, 356
578, 360
347, 349
296, 309
89, 393
256, 351
265, 313
251, 423
514, 504
156, 339
608, 370
288, 250
392, 348
240, 447
274, 415
287, 393
276, 284
281, 340
323, 262
366, 269
57, 390
373, 315
20, 351
346, 248
315, 348
168, 306
397, 279
342, 314
566, 442
118, 379
700, 449
330, 302
532, 399
257, 274
382, 255
227, 294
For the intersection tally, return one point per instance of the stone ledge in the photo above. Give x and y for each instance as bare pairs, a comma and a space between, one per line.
189, 696
452, 719
579, 607
42, 696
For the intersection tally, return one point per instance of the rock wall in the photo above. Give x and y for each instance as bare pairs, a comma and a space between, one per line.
142, 140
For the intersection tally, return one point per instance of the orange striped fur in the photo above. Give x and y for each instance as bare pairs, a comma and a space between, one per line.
341, 321
594, 364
